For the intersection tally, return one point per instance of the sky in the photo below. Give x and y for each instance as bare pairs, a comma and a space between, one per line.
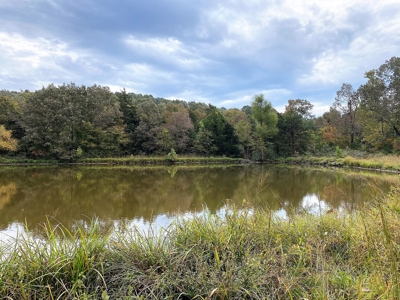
220, 52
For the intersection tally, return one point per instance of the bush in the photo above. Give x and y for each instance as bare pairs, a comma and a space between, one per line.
172, 156
339, 152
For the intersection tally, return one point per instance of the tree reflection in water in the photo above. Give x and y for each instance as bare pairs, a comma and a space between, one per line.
159, 194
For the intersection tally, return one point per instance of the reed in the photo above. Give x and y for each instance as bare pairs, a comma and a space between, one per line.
247, 254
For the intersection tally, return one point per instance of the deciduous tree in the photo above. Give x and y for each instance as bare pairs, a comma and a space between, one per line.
347, 102
381, 94
7, 143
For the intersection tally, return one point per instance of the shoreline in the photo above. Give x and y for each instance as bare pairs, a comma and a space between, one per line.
373, 164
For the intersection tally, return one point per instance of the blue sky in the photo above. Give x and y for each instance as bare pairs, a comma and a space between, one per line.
220, 52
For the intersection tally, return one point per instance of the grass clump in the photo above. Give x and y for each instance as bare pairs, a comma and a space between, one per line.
59, 265
247, 254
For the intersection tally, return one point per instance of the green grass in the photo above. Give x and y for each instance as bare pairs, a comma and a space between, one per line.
129, 160
377, 162
248, 254
149, 160
25, 161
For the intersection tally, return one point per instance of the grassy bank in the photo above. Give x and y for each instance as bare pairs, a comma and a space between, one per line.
250, 254
372, 162
130, 160
26, 161
154, 160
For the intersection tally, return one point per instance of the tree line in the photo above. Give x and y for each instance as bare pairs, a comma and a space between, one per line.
67, 122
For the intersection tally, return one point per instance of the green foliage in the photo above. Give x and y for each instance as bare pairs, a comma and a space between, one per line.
266, 119
243, 128
55, 121
58, 120
147, 134
204, 143
79, 152
339, 152
130, 118
265, 116
7, 143
380, 96
218, 134
172, 156
295, 129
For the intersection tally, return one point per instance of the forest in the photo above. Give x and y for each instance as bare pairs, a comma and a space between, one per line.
69, 122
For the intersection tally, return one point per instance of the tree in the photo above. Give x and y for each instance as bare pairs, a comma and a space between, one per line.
381, 94
204, 143
241, 123
129, 116
179, 126
333, 128
58, 120
294, 127
266, 120
223, 138
7, 143
347, 102
300, 107
10, 114
148, 135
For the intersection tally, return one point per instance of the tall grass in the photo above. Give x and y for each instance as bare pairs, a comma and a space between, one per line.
247, 254
385, 162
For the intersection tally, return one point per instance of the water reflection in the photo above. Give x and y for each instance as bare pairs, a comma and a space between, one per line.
158, 194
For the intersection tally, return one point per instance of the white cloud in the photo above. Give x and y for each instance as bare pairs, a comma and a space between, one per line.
327, 42
39, 60
143, 78
169, 50
364, 52
33, 52
145, 72
245, 97
286, 49
320, 108
190, 95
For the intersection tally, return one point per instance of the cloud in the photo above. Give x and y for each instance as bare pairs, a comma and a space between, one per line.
189, 95
168, 50
361, 53
320, 108
34, 59
320, 42
242, 98
222, 52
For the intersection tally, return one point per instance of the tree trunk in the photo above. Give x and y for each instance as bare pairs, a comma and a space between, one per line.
396, 130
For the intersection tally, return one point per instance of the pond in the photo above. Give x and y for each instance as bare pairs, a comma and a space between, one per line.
157, 195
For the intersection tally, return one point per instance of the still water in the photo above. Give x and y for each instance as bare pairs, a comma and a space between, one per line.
157, 195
